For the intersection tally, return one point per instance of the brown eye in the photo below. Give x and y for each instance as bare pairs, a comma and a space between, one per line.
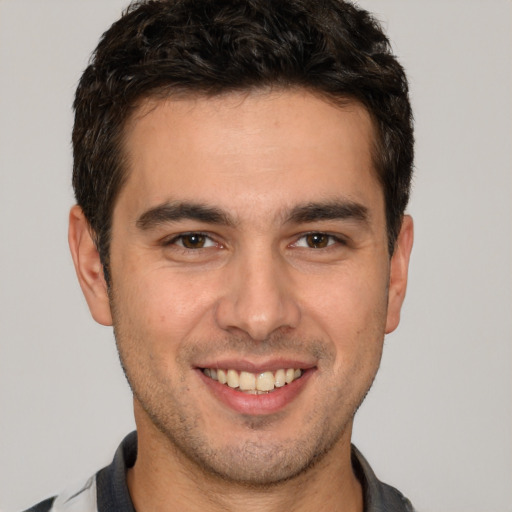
193, 241
317, 240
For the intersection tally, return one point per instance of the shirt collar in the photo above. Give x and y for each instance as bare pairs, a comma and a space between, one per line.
113, 495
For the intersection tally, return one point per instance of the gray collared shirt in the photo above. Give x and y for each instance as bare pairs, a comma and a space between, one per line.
107, 490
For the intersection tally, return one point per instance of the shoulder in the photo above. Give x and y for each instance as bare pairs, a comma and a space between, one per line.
105, 491
394, 499
43, 506
377, 495
77, 498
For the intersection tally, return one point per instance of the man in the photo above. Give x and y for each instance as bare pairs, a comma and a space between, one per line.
241, 170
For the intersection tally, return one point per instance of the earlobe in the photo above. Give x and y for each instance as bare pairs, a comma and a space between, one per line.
399, 269
88, 267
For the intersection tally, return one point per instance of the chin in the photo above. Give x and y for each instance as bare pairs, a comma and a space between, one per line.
262, 461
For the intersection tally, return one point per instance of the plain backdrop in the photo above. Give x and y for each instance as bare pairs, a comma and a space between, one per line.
438, 421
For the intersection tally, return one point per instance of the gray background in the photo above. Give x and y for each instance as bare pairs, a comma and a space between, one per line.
438, 422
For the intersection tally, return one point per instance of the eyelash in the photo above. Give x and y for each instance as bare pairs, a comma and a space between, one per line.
182, 236
331, 240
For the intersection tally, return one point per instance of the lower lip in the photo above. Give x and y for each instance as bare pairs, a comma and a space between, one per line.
267, 403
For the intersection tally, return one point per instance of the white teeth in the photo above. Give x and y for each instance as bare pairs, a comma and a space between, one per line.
265, 381
280, 378
247, 381
233, 379
222, 377
251, 383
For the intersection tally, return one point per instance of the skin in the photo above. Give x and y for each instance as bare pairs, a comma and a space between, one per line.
256, 289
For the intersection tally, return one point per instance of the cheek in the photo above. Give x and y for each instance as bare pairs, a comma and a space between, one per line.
167, 307
349, 299
351, 313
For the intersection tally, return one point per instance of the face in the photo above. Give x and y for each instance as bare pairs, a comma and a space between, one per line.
251, 282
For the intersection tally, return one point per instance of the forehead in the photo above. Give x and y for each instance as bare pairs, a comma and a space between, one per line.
285, 145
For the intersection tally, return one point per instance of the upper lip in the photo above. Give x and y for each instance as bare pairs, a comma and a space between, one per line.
271, 365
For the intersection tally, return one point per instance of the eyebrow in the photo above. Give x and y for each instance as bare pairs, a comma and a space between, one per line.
310, 212
330, 210
177, 211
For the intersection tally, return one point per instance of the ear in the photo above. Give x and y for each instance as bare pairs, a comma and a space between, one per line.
399, 269
89, 269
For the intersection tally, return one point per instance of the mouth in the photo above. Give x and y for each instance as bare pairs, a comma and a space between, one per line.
260, 383
255, 389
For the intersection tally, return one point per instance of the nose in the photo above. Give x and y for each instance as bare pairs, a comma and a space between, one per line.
259, 297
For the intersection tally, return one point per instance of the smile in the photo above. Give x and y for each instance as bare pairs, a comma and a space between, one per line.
254, 383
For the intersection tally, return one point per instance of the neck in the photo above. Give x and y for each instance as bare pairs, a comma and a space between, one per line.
164, 479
